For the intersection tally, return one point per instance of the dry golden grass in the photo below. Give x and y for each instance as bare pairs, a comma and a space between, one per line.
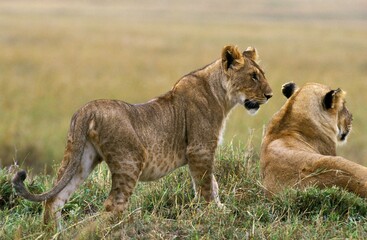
55, 56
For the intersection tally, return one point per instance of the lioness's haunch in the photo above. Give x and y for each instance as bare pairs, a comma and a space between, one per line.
147, 141
299, 146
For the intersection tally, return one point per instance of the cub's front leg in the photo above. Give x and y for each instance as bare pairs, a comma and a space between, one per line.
201, 166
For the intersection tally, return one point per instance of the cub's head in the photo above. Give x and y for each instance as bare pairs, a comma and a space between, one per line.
328, 103
245, 83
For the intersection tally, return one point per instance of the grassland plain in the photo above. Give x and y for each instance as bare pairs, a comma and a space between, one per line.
56, 56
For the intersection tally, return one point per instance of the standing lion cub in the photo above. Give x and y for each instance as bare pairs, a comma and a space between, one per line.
147, 141
299, 147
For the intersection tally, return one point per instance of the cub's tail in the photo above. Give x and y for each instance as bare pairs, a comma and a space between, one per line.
78, 136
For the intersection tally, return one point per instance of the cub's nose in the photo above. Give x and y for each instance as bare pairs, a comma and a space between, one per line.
268, 95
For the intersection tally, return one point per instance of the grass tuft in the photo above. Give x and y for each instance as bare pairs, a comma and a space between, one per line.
333, 203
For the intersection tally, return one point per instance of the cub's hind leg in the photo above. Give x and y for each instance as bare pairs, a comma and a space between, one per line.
125, 167
53, 206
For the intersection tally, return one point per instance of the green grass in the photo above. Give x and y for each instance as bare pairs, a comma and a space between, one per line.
166, 209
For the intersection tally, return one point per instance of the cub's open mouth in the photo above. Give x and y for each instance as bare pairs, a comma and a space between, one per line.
251, 105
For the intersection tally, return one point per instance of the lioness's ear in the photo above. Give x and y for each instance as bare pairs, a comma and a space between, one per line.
231, 58
251, 53
288, 89
333, 98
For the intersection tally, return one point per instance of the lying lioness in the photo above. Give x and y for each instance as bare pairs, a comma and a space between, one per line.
299, 146
144, 142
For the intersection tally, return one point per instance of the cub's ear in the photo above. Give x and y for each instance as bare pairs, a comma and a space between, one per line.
251, 53
333, 98
288, 89
231, 58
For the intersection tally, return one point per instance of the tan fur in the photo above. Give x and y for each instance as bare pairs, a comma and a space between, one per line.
299, 146
147, 141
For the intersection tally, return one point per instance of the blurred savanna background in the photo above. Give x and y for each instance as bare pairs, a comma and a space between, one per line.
57, 55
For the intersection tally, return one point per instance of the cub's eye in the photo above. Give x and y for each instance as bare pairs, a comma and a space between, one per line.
254, 77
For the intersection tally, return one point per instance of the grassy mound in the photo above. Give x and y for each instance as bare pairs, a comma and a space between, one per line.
167, 208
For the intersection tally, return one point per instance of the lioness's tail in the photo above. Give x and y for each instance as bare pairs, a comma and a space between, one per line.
78, 133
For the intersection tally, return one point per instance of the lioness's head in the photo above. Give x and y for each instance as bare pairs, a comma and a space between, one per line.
245, 83
329, 104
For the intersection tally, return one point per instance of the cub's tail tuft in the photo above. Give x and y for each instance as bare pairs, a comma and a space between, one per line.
19, 177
